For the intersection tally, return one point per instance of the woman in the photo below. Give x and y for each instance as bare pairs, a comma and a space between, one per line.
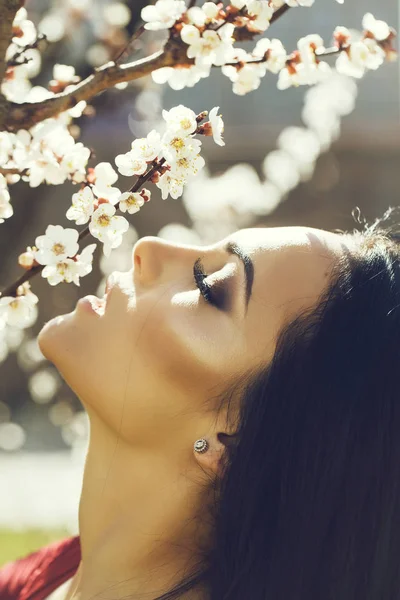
244, 439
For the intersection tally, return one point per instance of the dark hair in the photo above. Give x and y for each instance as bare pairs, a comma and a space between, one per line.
308, 507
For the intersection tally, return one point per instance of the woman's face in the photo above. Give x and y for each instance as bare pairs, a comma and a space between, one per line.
160, 350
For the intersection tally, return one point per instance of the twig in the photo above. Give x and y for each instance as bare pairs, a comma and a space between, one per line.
11, 290
140, 30
328, 52
8, 10
13, 61
12, 171
26, 114
279, 12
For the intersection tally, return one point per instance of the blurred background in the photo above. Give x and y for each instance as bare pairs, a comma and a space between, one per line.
318, 157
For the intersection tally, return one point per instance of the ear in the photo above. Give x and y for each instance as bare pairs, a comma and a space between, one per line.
212, 460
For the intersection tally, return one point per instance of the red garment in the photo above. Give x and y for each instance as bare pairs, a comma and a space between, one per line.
35, 576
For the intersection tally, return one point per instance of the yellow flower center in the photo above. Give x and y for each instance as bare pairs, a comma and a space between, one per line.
103, 220
185, 123
178, 143
58, 249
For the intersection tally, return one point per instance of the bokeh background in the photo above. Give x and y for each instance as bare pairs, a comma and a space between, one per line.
353, 174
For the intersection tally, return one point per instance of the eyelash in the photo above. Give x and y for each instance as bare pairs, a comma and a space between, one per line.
205, 289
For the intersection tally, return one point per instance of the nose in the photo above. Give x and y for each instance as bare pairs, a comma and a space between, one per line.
155, 259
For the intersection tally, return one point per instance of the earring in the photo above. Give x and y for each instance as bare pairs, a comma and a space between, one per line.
201, 445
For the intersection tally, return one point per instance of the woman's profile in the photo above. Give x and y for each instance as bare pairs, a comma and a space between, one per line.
244, 423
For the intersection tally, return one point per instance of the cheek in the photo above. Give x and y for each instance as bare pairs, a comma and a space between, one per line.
192, 346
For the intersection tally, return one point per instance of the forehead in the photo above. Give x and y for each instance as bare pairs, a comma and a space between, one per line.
292, 267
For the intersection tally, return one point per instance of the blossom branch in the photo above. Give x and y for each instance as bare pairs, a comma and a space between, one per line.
11, 290
140, 30
26, 114
15, 60
8, 10
279, 13
11, 171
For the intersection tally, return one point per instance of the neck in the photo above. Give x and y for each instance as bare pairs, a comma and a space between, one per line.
141, 519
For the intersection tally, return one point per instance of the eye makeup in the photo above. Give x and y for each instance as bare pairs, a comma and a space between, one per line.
216, 294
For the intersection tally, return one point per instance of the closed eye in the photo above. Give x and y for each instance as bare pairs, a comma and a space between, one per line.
216, 294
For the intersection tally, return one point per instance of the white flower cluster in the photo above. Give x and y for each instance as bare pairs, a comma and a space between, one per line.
19, 311
57, 250
95, 203
209, 33
367, 53
170, 159
177, 148
6, 209
47, 153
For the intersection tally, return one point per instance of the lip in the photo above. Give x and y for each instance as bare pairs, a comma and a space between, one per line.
111, 281
93, 304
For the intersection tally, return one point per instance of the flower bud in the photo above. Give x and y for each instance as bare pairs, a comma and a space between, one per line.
26, 260
201, 116
146, 194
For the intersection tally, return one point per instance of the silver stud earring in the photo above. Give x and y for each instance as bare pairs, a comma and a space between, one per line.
201, 445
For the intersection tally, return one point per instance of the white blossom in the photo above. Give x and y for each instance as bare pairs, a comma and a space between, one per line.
217, 126
147, 148
175, 146
186, 166
379, 29
82, 206
24, 31
130, 202
63, 73
359, 57
247, 78
18, 311
76, 159
64, 270
105, 176
68, 270
129, 164
56, 245
6, 210
274, 53
163, 14
196, 16
181, 121
180, 77
261, 11
211, 10
303, 74
170, 186
211, 47
107, 227
6, 147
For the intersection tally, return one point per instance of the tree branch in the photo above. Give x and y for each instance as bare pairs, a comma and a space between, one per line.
279, 12
8, 10
11, 171
26, 114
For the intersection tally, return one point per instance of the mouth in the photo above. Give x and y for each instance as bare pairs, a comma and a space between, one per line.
98, 304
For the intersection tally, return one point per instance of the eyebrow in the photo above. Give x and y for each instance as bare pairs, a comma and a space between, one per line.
233, 248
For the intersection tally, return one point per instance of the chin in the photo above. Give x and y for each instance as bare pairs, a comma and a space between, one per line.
51, 336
